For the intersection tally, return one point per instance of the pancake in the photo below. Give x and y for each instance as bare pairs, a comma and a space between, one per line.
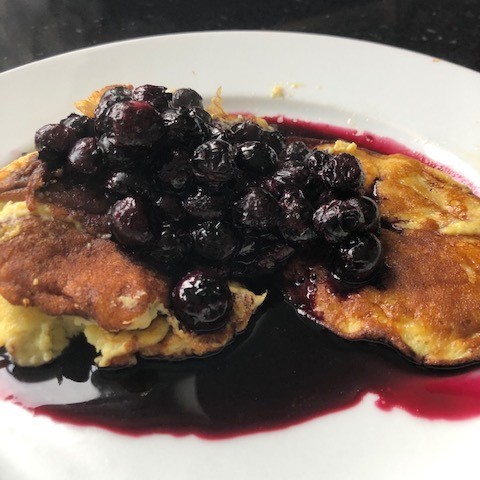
57, 280
427, 302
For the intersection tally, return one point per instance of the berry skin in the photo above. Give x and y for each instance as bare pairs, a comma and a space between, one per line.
169, 207
186, 97
110, 97
176, 175
213, 163
316, 161
295, 220
171, 246
129, 224
203, 206
120, 157
245, 132
256, 210
184, 128
202, 301
215, 241
343, 172
274, 140
357, 259
256, 157
337, 219
85, 156
154, 95
371, 213
80, 124
295, 152
123, 184
54, 141
133, 123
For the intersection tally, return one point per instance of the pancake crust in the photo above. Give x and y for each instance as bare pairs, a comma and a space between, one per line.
427, 304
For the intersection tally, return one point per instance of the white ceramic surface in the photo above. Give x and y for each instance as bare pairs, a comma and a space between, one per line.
427, 104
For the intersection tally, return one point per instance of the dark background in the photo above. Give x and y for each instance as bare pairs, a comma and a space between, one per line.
35, 29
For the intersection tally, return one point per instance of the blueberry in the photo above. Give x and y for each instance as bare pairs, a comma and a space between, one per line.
274, 140
291, 175
133, 123
213, 163
129, 224
257, 210
245, 132
176, 175
54, 141
86, 157
154, 95
357, 259
171, 246
122, 184
110, 97
337, 219
371, 214
169, 207
316, 161
186, 97
257, 157
203, 206
121, 157
296, 217
219, 131
184, 128
215, 241
80, 124
295, 152
202, 301
343, 172
201, 114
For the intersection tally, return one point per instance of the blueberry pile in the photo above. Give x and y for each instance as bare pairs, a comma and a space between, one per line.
205, 200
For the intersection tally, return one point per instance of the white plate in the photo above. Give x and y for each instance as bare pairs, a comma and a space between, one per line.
429, 105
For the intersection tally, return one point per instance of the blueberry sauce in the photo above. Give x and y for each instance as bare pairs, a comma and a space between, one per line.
282, 371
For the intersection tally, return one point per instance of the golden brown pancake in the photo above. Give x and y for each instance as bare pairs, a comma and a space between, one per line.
427, 303
57, 279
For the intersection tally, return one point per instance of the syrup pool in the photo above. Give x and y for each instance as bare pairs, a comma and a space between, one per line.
282, 371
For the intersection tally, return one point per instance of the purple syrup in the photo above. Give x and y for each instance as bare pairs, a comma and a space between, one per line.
282, 371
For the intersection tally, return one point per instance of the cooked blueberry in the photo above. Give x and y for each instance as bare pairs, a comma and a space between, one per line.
109, 98
85, 156
54, 141
257, 210
213, 163
215, 241
171, 246
337, 219
357, 259
274, 140
122, 184
316, 161
371, 213
219, 131
134, 123
292, 175
245, 132
176, 175
295, 152
186, 97
184, 128
154, 95
80, 124
201, 114
202, 301
296, 216
122, 157
169, 207
343, 172
257, 157
203, 206
129, 223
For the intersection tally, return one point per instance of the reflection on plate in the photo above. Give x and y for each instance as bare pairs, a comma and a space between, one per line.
404, 102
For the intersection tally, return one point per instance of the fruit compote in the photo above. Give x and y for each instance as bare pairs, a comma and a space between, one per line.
205, 200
